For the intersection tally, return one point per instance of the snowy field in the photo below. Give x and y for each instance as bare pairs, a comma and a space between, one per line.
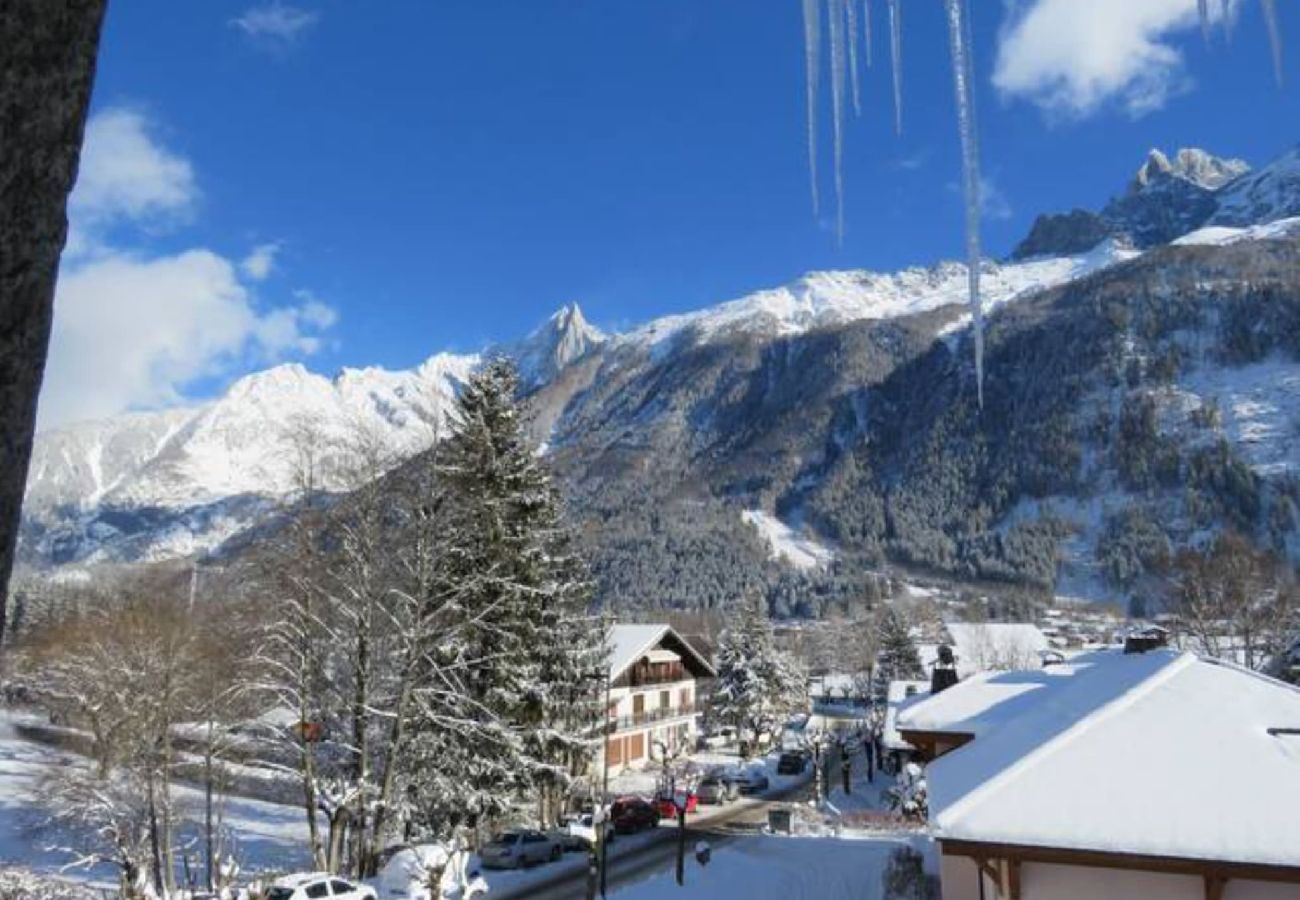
267, 836
784, 542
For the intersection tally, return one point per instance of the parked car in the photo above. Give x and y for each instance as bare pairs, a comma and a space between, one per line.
318, 886
578, 832
632, 814
517, 849
791, 763
753, 781
667, 806
717, 789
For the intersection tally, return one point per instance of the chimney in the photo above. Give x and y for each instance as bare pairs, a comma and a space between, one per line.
944, 673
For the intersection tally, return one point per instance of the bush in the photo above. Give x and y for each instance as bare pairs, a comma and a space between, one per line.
905, 877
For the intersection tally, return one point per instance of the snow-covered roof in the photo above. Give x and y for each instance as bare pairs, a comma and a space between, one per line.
628, 643
1159, 754
985, 701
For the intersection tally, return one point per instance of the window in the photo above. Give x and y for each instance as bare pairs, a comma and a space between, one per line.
533, 837
636, 747
664, 699
279, 893
317, 890
340, 887
684, 698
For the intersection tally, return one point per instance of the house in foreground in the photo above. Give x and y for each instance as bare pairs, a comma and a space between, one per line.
654, 676
1151, 774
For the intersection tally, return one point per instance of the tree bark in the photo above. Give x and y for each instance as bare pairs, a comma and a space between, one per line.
47, 68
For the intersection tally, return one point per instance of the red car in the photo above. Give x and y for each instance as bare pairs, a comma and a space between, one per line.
632, 814
668, 809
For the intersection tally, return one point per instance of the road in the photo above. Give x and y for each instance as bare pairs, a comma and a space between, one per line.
632, 863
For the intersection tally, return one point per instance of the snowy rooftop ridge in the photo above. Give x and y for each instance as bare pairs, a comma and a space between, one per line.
1046, 775
628, 643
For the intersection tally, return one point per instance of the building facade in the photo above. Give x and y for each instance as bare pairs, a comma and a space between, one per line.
652, 695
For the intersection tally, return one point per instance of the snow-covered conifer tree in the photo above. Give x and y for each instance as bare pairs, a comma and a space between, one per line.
897, 657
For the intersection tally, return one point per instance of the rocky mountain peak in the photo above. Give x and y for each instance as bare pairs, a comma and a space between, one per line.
563, 339
1166, 199
1190, 164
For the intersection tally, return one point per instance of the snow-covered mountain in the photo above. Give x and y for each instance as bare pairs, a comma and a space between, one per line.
1166, 199
754, 403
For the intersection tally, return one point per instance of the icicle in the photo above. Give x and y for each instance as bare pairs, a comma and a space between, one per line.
866, 29
812, 40
835, 15
1203, 10
1274, 35
961, 74
1225, 10
851, 26
896, 54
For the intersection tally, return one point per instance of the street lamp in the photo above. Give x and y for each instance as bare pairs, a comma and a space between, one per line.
600, 815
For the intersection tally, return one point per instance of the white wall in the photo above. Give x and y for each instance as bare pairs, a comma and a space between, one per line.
1042, 881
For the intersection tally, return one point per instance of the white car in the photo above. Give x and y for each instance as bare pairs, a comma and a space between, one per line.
318, 886
582, 831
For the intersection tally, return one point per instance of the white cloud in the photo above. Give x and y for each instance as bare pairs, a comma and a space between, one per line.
134, 329
1074, 57
275, 21
258, 264
993, 202
126, 176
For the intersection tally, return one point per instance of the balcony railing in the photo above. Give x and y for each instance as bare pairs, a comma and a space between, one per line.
648, 717
657, 674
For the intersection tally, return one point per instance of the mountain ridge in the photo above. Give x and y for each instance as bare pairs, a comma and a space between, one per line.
758, 409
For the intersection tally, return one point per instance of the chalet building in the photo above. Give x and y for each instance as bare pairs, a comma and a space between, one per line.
1149, 773
653, 686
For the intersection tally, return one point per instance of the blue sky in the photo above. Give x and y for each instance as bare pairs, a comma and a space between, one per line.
367, 183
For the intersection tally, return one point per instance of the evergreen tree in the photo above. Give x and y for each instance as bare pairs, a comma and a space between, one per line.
757, 685
897, 659
519, 668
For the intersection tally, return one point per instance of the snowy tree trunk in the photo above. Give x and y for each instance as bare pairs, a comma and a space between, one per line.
46, 71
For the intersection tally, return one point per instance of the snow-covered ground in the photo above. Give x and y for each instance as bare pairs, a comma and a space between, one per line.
268, 837
1218, 235
786, 543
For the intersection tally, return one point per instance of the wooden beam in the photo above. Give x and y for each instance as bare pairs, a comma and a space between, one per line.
1013, 879
1214, 887
987, 870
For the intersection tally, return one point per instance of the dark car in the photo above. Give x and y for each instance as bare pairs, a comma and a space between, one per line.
791, 764
633, 814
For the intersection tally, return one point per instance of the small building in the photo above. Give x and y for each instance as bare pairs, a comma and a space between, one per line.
1153, 774
653, 686
901, 694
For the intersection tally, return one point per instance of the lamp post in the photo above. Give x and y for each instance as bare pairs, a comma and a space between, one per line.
600, 815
